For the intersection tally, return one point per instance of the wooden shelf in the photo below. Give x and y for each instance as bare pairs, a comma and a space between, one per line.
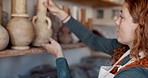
10, 52
96, 3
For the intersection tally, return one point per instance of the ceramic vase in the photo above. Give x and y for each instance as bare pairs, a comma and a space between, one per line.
42, 25
4, 38
20, 29
56, 24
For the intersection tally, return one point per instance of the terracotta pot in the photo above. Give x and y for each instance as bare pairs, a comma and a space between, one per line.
83, 16
4, 38
42, 25
65, 35
20, 29
56, 24
89, 23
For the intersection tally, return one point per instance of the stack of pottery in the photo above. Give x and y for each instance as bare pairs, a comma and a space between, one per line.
56, 24
20, 29
42, 25
64, 32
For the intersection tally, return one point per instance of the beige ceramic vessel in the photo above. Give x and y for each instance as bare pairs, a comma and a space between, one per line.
4, 38
42, 25
20, 29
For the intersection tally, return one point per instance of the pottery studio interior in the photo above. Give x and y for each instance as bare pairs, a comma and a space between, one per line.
27, 24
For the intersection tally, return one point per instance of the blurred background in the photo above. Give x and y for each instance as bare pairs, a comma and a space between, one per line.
96, 15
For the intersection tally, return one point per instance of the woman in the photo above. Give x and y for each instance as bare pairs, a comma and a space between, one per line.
132, 26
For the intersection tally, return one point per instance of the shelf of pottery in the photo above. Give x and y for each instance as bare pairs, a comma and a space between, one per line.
20, 36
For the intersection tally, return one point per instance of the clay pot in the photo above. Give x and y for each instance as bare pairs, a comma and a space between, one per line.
21, 32
83, 16
42, 25
65, 35
4, 38
20, 29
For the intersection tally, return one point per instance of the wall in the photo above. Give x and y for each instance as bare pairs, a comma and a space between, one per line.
108, 18
11, 67
32, 3
106, 31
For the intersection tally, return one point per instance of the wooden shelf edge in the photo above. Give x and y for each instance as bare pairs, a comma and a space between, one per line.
95, 3
9, 52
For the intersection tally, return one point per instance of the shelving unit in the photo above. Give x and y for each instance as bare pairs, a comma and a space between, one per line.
33, 50
96, 3
10, 52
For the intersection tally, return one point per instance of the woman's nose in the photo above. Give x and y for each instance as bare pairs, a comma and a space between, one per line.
117, 20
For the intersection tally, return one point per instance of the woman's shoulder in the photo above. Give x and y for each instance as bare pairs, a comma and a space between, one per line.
134, 72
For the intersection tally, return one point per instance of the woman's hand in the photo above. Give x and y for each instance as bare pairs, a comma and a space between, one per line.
54, 48
55, 10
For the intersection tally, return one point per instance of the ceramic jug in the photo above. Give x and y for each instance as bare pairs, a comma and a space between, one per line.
42, 25
4, 38
20, 29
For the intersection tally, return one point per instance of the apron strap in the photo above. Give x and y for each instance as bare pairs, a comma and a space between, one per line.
115, 69
118, 62
142, 62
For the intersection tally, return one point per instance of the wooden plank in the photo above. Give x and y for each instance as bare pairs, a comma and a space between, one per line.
95, 3
10, 52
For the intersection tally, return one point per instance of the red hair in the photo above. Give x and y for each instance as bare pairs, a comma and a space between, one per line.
138, 9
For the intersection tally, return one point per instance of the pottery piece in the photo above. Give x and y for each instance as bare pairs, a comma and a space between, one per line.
20, 29
4, 38
64, 36
42, 25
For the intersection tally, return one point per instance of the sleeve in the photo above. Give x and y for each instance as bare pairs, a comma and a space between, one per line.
135, 72
62, 68
90, 39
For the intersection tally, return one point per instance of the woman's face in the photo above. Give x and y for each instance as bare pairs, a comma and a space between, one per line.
125, 27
